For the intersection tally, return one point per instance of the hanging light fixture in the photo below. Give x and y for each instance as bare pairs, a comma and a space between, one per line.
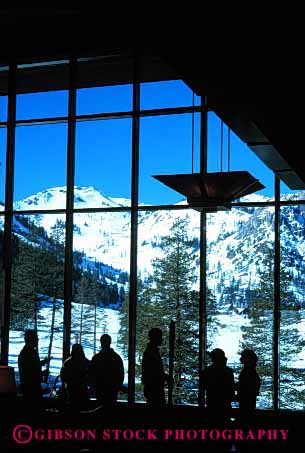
215, 191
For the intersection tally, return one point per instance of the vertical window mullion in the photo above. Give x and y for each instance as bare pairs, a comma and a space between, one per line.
203, 256
134, 233
277, 296
9, 189
69, 208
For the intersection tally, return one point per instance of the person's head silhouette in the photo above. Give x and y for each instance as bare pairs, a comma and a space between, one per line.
155, 336
31, 338
248, 358
105, 341
77, 351
218, 357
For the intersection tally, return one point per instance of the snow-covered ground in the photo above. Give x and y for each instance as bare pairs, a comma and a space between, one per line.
228, 337
107, 322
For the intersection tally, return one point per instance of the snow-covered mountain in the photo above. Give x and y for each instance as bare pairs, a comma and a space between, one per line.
55, 198
237, 240
240, 242
100, 237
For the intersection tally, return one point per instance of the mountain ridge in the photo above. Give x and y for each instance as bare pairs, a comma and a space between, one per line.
237, 240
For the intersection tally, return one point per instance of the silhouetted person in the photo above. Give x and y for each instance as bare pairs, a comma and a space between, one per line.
30, 372
107, 371
74, 374
218, 384
248, 385
153, 377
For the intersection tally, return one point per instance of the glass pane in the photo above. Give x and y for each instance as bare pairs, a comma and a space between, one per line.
2, 166
38, 287
108, 99
292, 329
42, 90
40, 167
169, 93
168, 289
42, 105
104, 84
3, 108
290, 194
3, 92
101, 282
241, 158
103, 164
240, 247
166, 148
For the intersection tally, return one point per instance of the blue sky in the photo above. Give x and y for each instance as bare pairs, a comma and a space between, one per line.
103, 148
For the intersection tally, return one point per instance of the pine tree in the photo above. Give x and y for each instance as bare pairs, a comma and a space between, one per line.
57, 238
291, 342
170, 293
86, 295
94, 290
81, 298
124, 323
167, 295
34, 256
22, 307
25, 274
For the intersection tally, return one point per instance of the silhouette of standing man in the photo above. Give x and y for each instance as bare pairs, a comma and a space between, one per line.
30, 372
107, 370
218, 383
153, 377
248, 385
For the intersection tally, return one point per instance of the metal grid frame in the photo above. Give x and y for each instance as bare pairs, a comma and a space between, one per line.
134, 209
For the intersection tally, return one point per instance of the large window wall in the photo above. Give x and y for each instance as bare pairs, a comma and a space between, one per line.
97, 245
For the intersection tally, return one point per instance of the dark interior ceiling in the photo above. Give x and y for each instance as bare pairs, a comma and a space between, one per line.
254, 85
259, 100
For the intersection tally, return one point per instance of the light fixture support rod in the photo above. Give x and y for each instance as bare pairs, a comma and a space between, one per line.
229, 147
221, 144
193, 132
